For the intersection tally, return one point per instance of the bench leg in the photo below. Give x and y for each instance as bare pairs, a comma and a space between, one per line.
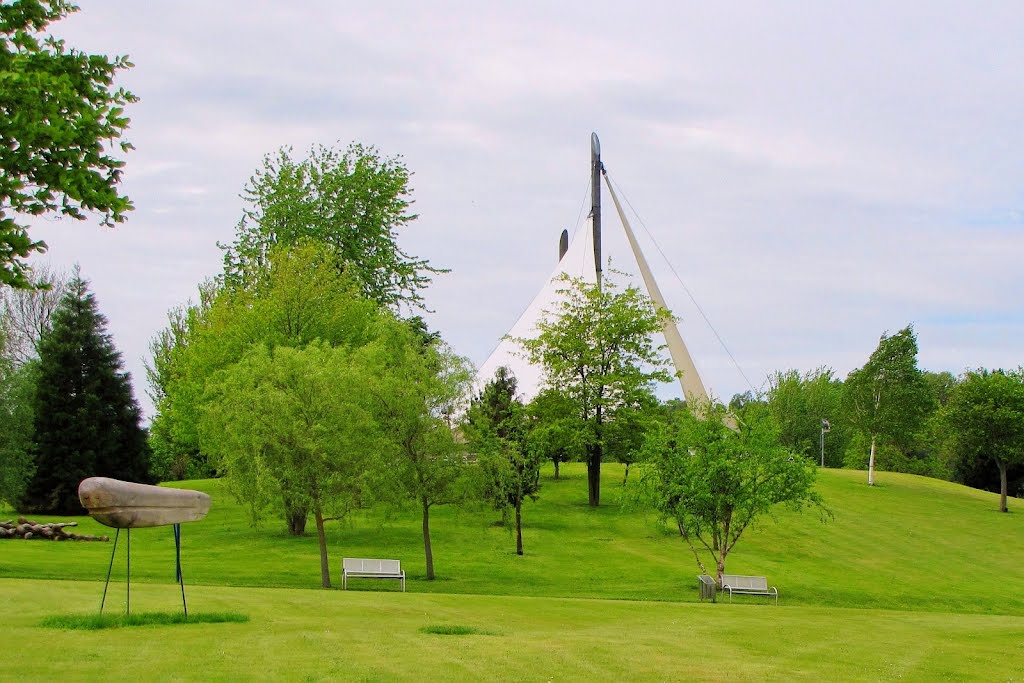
403, 583
344, 581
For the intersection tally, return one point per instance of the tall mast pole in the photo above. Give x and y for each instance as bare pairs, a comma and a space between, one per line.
595, 195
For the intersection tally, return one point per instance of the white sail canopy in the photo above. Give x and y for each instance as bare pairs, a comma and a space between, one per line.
577, 262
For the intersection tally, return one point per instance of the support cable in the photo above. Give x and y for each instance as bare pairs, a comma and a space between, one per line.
683, 285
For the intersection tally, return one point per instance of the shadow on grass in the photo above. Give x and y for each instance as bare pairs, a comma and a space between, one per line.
93, 622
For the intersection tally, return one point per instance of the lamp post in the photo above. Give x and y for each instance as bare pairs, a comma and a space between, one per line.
825, 427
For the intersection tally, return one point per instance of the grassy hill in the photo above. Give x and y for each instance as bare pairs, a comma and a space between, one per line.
909, 543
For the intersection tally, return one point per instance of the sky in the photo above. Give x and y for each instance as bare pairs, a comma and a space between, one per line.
816, 174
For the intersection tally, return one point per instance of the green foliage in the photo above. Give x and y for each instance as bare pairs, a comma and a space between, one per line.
353, 201
799, 403
596, 349
985, 417
86, 421
413, 391
554, 432
300, 298
17, 404
496, 428
712, 481
288, 424
60, 113
888, 398
96, 622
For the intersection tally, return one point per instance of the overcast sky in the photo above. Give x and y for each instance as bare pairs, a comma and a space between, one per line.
816, 173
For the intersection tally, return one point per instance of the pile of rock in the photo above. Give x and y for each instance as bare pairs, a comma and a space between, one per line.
26, 528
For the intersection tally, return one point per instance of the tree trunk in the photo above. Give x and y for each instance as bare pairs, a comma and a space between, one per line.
296, 518
556, 467
721, 567
426, 539
594, 478
1002, 485
519, 528
325, 567
625, 476
871, 463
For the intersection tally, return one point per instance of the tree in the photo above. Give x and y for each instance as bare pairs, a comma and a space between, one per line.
799, 404
496, 425
17, 464
412, 396
25, 314
713, 481
301, 297
290, 423
355, 201
985, 416
60, 113
87, 422
625, 435
553, 430
595, 347
888, 397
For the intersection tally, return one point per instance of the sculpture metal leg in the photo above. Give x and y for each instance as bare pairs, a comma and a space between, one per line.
177, 559
109, 569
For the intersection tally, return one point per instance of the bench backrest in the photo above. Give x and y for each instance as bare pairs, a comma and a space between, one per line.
356, 564
759, 583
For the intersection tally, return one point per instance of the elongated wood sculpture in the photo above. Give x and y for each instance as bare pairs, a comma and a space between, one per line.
127, 505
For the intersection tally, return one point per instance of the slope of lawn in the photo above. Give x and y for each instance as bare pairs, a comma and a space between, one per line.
909, 543
306, 635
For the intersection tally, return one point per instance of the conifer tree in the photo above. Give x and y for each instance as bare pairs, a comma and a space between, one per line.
86, 418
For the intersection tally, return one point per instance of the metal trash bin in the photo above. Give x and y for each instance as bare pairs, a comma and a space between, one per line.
708, 588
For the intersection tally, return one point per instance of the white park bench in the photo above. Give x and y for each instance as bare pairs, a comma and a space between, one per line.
748, 585
355, 567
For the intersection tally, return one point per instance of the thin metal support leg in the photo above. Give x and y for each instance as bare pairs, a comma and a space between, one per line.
180, 577
109, 569
128, 576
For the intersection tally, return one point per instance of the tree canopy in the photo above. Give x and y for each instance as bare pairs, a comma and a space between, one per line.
496, 429
888, 397
712, 481
355, 201
60, 113
596, 348
985, 416
288, 424
87, 422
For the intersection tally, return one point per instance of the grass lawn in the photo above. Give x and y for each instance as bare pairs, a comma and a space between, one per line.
913, 578
306, 635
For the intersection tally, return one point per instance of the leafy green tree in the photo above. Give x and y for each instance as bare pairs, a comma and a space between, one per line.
554, 431
496, 425
301, 298
60, 114
354, 200
985, 416
412, 397
625, 435
17, 402
888, 397
799, 404
290, 423
87, 422
713, 481
596, 348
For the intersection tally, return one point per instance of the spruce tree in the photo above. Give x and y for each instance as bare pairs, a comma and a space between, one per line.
86, 418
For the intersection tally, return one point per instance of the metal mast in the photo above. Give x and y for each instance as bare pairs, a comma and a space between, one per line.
595, 196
